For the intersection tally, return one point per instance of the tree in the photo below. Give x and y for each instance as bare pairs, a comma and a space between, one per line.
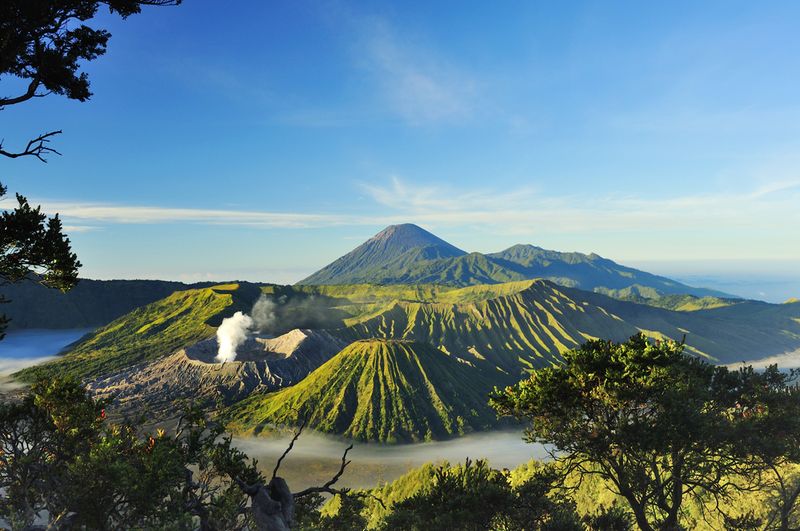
474, 496
33, 245
42, 45
768, 432
60, 456
655, 423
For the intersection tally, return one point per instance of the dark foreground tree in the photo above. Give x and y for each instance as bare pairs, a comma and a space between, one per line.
659, 426
767, 412
34, 246
63, 463
42, 45
61, 460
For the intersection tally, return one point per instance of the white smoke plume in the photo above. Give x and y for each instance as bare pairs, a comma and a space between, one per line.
230, 334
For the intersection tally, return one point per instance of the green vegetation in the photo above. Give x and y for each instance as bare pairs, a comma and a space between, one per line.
149, 332
33, 246
476, 497
406, 254
377, 390
662, 427
678, 303
642, 434
62, 460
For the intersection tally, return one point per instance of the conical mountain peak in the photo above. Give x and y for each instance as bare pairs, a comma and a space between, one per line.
409, 236
397, 248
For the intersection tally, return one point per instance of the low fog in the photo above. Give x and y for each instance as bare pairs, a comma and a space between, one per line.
785, 361
316, 457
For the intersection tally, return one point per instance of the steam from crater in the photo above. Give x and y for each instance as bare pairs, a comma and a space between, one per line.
263, 314
230, 334
233, 330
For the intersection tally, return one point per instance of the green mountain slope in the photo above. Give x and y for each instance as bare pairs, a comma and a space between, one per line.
149, 332
378, 390
406, 254
519, 325
421, 357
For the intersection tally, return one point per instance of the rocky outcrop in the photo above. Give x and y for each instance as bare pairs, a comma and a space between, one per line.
262, 364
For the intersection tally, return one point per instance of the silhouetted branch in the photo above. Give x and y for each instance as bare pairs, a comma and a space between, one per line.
29, 93
36, 148
327, 486
291, 445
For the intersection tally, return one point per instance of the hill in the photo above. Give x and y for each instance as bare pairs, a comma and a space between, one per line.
262, 364
89, 304
448, 344
407, 254
378, 390
526, 324
152, 331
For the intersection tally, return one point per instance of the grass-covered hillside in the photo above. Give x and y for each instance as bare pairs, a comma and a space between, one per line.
378, 390
517, 325
149, 332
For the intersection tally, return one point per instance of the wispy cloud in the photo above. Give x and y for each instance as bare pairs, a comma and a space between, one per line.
771, 206
79, 213
759, 220
416, 82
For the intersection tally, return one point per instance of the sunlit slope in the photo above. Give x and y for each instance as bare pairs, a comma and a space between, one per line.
506, 326
154, 330
732, 333
377, 390
523, 324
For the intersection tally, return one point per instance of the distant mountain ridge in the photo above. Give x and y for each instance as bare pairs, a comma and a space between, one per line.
89, 304
408, 254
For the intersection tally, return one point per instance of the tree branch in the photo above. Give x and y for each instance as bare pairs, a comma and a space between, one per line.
291, 445
327, 486
29, 93
36, 148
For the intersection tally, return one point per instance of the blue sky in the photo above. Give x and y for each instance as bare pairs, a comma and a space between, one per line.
264, 141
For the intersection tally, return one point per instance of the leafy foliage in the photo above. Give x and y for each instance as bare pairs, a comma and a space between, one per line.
62, 459
43, 42
469, 496
31, 244
658, 425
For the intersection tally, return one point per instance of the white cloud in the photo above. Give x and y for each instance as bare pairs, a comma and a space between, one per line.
755, 222
82, 212
766, 215
80, 228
